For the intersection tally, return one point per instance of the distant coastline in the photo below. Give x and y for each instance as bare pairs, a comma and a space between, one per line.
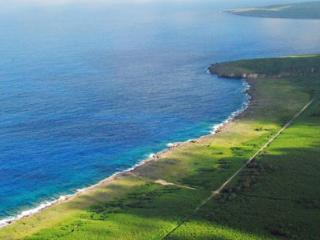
305, 10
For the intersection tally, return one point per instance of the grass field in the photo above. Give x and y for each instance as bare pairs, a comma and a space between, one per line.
276, 197
306, 10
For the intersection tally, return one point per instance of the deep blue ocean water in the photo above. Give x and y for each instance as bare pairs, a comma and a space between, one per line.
90, 88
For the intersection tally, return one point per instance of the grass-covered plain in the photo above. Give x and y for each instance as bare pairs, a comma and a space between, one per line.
277, 197
305, 10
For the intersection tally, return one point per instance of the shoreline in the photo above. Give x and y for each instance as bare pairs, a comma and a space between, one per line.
216, 128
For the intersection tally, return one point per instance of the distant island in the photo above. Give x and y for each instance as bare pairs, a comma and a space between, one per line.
306, 10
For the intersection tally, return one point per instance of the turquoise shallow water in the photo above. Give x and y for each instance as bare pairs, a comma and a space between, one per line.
88, 89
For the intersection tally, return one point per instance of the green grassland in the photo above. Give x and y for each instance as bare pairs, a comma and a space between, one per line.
276, 198
306, 10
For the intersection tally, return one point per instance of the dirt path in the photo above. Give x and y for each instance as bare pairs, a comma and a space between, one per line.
222, 187
165, 183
